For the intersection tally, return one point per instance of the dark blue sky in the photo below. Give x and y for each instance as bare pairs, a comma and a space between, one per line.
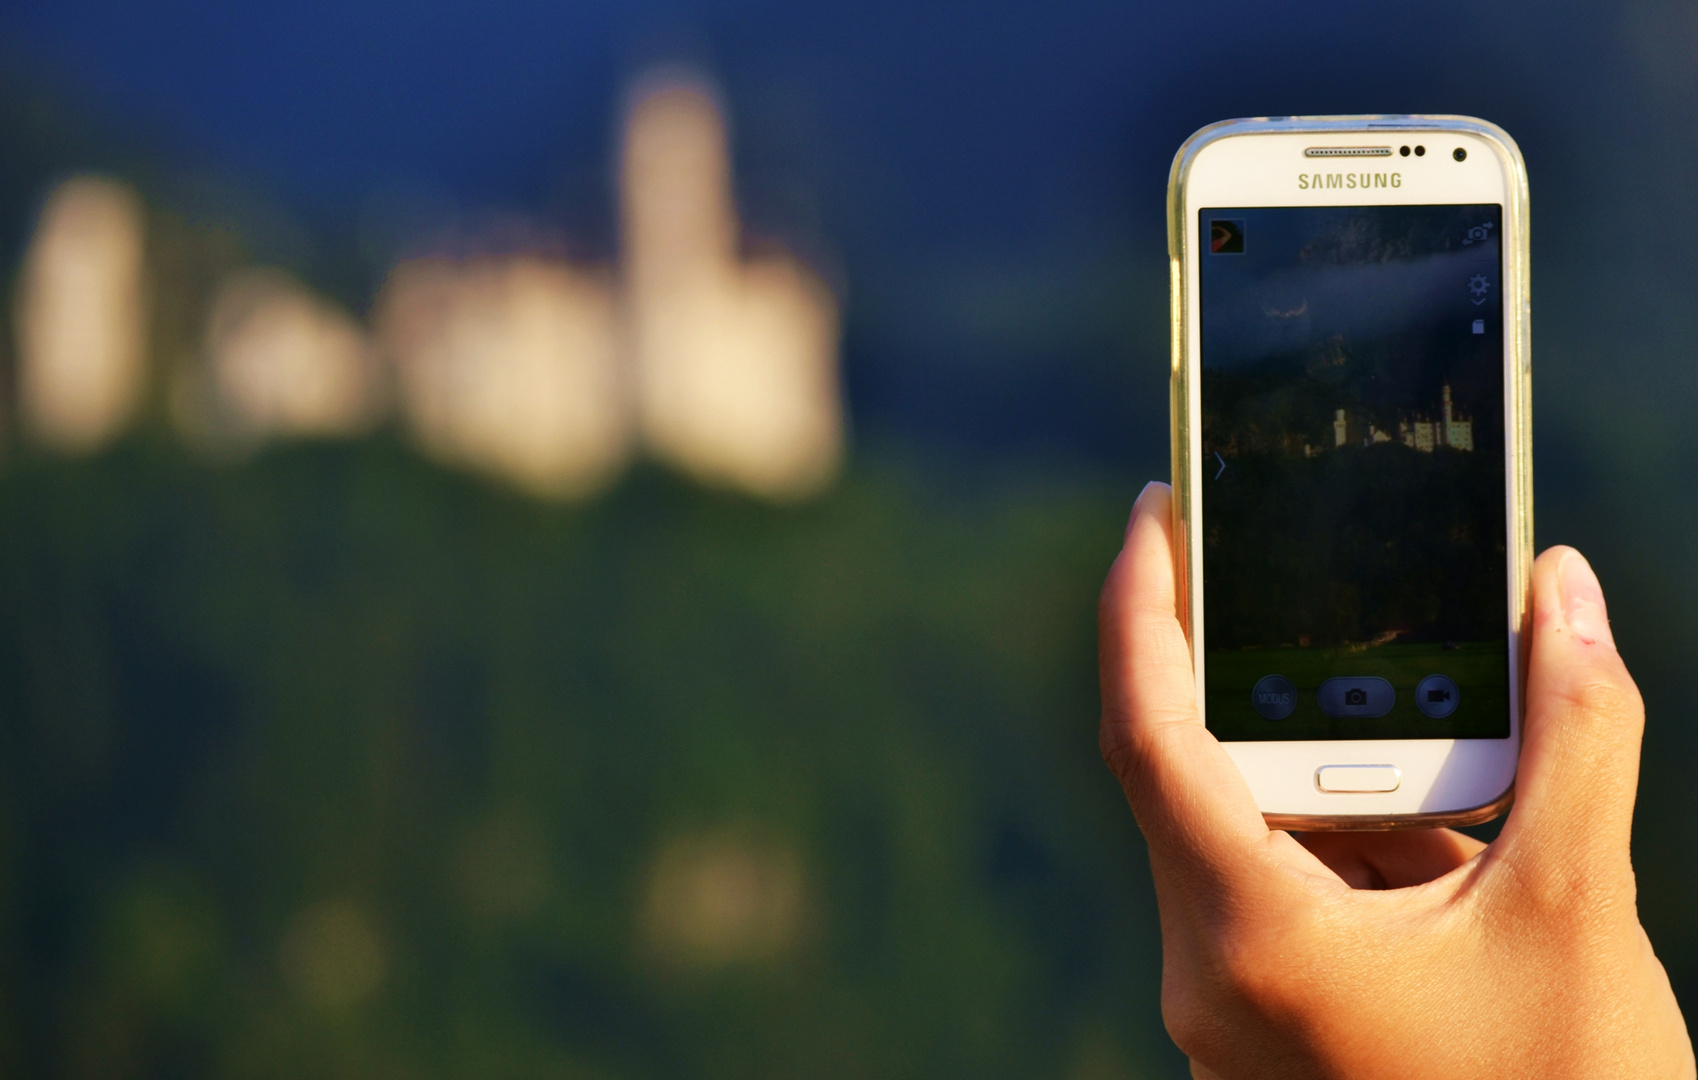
986, 179
968, 117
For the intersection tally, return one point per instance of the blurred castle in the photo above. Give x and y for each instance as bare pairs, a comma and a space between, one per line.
288, 362
523, 366
510, 366
1452, 430
735, 362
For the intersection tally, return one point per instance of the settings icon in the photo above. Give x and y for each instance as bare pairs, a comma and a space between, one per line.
1478, 286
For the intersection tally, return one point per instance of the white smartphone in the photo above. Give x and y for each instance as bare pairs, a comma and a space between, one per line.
1351, 460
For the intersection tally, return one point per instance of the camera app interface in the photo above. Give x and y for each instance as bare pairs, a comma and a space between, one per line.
1354, 577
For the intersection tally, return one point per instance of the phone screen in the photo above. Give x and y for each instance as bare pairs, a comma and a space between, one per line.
1353, 505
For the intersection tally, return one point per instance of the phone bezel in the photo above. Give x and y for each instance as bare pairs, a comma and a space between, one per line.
1256, 162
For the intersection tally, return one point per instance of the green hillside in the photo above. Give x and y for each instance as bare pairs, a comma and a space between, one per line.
336, 764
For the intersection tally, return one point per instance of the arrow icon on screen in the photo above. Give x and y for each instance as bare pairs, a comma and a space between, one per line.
1222, 464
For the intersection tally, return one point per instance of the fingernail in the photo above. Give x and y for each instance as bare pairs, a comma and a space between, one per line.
1583, 600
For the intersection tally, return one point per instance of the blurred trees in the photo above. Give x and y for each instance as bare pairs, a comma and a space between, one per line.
336, 764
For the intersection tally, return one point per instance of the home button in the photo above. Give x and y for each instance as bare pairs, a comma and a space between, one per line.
1358, 779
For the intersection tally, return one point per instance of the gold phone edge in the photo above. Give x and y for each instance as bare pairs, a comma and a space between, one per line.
1443, 819
1516, 307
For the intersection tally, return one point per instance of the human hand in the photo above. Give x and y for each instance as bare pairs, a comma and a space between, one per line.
1399, 954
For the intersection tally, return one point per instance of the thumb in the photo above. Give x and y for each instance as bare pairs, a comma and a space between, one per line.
1579, 768
1190, 799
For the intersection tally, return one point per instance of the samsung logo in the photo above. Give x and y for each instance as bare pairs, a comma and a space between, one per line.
1306, 181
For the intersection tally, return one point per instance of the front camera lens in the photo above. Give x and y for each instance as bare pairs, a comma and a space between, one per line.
1404, 151
1459, 154
1420, 150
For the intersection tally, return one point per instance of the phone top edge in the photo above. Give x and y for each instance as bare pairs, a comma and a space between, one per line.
1509, 152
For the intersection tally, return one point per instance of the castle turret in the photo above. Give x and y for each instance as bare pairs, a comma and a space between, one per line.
736, 360
1458, 429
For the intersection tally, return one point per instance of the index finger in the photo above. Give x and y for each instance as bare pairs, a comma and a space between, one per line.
1189, 797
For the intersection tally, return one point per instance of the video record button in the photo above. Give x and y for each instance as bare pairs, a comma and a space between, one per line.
1274, 697
1437, 696
1356, 696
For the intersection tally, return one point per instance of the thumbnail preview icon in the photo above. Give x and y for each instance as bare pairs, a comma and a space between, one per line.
1226, 236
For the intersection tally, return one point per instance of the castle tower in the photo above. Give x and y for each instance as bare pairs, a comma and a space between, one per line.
735, 362
82, 316
1340, 428
680, 225
1458, 429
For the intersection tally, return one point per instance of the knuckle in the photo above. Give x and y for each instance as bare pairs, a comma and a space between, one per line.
1116, 748
1605, 694
1190, 1021
1130, 762
1129, 747
1575, 890
1563, 909
1241, 983
1258, 959
1244, 969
